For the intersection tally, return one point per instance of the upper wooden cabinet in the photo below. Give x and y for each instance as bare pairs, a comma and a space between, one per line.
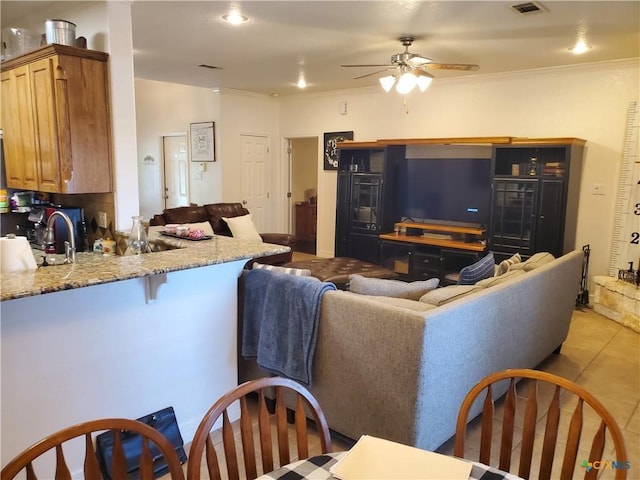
56, 121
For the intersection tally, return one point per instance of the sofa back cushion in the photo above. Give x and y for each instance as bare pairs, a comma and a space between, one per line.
391, 288
185, 215
443, 295
535, 261
216, 212
505, 277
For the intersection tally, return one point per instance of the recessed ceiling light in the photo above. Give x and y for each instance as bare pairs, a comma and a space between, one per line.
302, 83
580, 47
234, 18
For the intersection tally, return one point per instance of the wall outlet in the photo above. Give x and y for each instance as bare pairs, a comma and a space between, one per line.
102, 220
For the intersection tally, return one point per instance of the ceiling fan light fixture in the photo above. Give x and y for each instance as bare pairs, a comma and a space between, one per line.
235, 18
387, 82
406, 83
423, 80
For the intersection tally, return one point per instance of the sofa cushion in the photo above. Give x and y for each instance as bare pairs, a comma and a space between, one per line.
505, 277
185, 215
536, 260
243, 228
504, 266
301, 272
443, 295
204, 226
483, 268
390, 288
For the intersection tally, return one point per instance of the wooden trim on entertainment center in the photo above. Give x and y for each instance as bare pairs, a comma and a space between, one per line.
547, 141
445, 141
346, 145
438, 242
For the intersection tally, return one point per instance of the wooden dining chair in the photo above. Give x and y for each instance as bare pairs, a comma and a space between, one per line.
563, 394
257, 422
24, 461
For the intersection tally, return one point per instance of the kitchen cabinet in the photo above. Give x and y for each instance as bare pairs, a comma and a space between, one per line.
536, 185
57, 127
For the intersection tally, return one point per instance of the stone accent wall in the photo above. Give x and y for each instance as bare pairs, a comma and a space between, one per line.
617, 300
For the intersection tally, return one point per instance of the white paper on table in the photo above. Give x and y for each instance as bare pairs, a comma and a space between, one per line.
373, 458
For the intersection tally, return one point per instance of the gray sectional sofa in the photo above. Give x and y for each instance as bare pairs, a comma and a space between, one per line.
399, 369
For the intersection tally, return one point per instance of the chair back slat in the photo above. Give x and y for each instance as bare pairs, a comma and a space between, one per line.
528, 431
573, 442
562, 388
282, 428
285, 390
246, 432
229, 442
266, 444
212, 460
301, 430
62, 470
508, 425
550, 436
146, 461
23, 461
487, 428
597, 449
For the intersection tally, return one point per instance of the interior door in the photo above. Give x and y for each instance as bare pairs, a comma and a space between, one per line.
176, 171
255, 159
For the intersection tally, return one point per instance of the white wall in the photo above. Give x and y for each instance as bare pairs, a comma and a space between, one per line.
588, 101
164, 109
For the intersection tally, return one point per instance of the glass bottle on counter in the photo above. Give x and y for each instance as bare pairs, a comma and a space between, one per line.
137, 237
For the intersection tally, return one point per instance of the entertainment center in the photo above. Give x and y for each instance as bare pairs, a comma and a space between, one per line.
428, 207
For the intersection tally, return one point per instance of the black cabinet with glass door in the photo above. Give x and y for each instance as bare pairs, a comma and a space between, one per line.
536, 185
364, 207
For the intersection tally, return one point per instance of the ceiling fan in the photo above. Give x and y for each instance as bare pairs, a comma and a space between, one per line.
406, 65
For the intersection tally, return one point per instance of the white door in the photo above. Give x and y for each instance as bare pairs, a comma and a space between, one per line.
176, 171
255, 158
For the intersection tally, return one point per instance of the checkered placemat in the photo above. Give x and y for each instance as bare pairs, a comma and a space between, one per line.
317, 468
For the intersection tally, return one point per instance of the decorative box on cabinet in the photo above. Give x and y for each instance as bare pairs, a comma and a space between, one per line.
57, 121
536, 185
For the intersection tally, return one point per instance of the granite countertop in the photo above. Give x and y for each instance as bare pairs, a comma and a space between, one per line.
95, 269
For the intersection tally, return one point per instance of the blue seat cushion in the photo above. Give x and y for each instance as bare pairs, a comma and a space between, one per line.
483, 268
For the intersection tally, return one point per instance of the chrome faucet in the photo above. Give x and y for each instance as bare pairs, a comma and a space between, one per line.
69, 245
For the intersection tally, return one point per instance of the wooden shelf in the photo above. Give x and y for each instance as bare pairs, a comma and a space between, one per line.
436, 227
438, 242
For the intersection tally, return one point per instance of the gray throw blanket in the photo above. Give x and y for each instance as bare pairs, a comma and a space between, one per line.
280, 321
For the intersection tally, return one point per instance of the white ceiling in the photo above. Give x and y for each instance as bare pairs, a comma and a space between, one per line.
284, 39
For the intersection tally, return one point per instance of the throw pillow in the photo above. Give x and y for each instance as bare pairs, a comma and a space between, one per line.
242, 228
483, 268
536, 260
301, 272
505, 277
390, 288
443, 295
504, 266
204, 226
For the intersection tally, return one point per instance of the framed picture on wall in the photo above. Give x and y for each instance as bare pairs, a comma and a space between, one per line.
331, 150
203, 142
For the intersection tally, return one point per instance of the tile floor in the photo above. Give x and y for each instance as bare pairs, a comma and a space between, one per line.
603, 357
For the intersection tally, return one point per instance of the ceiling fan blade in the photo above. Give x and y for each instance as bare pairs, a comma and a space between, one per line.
450, 66
371, 65
373, 73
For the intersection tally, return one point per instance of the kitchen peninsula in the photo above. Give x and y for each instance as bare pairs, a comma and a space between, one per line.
120, 337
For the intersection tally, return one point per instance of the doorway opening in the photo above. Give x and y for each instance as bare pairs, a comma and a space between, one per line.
176, 171
303, 192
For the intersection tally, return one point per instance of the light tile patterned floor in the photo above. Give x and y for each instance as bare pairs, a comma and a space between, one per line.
603, 357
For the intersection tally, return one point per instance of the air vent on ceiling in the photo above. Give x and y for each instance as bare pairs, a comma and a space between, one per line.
211, 67
528, 7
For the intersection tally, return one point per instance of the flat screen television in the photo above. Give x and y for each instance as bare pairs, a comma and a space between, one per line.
445, 190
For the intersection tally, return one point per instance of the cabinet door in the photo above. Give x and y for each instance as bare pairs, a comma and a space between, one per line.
44, 115
19, 134
366, 196
343, 217
550, 220
513, 215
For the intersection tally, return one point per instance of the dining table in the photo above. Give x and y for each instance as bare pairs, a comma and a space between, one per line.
318, 468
